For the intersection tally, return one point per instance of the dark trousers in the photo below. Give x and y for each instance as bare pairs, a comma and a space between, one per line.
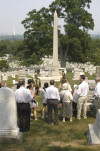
52, 104
37, 90
74, 108
24, 116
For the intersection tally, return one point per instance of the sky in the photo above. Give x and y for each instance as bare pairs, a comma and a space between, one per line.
12, 12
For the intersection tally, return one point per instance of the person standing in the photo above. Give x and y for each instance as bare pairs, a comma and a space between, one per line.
53, 100
23, 97
82, 91
43, 93
33, 102
37, 83
97, 94
66, 97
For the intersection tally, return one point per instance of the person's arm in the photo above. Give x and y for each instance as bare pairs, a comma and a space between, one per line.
30, 96
69, 87
59, 88
58, 96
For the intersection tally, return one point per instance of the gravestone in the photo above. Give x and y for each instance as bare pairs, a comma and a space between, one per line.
93, 133
98, 72
9, 131
5, 77
22, 74
77, 73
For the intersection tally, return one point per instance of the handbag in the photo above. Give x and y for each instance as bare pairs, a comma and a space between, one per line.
62, 98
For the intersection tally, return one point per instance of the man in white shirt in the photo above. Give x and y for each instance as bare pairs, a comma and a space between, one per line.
53, 99
23, 97
97, 94
82, 92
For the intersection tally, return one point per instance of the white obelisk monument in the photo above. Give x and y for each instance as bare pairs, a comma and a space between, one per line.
55, 71
55, 41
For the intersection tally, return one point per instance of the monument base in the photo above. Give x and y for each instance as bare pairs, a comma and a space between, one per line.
55, 72
47, 79
93, 133
93, 139
11, 136
11, 139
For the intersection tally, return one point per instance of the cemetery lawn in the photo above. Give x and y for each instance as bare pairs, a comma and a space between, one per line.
63, 137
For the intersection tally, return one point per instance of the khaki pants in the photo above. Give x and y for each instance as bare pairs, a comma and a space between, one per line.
82, 104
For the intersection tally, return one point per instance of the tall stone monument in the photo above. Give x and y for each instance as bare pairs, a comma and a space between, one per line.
55, 71
55, 41
9, 131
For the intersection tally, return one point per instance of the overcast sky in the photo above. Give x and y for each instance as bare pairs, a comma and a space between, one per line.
12, 12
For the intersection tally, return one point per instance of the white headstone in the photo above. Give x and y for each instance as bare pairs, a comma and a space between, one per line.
93, 133
77, 73
8, 114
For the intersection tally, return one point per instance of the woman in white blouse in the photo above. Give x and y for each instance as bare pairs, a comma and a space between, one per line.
66, 97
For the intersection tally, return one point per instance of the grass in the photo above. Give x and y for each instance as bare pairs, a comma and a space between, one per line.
64, 137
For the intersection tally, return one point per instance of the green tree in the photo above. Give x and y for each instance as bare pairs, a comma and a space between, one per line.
38, 35
94, 56
73, 43
4, 64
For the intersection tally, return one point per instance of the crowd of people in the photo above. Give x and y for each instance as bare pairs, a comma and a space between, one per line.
63, 98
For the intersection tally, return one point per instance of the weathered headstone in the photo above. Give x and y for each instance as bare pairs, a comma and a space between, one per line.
9, 131
93, 133
22, 74
5, 77
98, 72
77, 73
